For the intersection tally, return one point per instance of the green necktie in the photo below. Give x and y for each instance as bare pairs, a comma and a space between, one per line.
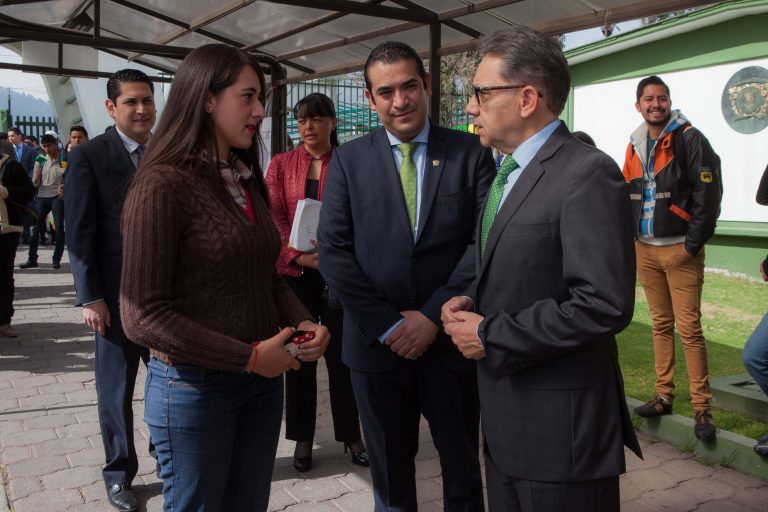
494, 198
408, 179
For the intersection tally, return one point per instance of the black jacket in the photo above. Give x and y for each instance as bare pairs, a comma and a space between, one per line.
687, 196
20, 190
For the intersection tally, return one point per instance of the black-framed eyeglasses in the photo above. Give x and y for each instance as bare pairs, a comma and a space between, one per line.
477, 90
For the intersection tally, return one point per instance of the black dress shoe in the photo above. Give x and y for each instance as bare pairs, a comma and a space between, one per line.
302, 464
358, 458
56, 264
122, 498
762, 446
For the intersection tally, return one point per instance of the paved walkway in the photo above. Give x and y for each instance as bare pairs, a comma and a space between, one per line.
52, 452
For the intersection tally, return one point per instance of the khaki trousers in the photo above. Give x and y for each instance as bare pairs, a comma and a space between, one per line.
672, 280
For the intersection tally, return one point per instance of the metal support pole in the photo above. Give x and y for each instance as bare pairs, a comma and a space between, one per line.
434, 71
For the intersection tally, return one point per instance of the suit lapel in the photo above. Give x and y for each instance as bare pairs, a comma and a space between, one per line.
118, 153
436, 150
387, 175
528, 179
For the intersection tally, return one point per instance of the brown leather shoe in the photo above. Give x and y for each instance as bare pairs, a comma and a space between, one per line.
656, 407
7, 331
705, 426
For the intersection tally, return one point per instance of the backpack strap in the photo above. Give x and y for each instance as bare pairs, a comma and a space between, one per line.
678, 147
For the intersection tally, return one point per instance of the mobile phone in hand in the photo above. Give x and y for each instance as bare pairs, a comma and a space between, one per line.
298, 337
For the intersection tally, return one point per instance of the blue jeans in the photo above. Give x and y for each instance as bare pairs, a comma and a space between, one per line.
216, 436
755, 355
45, 205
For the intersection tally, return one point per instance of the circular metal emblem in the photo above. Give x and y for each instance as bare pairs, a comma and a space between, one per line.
745, 100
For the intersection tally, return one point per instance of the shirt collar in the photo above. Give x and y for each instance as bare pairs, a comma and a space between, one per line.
528, 149
422, 137
129, 143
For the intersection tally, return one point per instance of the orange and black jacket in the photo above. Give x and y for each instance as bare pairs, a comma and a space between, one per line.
687, 196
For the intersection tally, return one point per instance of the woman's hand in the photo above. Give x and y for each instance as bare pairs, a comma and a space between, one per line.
271, 357
314, 348
308, 259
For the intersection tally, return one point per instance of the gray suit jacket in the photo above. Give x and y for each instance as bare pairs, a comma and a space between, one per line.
555, 284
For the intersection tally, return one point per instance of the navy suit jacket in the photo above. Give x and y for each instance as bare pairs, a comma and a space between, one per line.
98, 176
27, 159
367, 251
555, 284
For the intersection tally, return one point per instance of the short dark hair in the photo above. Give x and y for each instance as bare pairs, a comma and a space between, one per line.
31, 137
390, 52
17, 131
651, 80
49, 139
123, 76
585, 138
533, 58
78, 128
317, 105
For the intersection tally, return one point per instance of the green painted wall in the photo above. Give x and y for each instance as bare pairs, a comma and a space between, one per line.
731, 41
736, 246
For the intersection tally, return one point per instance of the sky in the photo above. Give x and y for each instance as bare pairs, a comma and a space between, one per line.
31, 83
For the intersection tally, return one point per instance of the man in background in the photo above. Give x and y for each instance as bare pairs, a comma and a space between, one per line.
97, 179
674, 183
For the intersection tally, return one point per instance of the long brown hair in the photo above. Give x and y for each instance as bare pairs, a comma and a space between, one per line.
185, 138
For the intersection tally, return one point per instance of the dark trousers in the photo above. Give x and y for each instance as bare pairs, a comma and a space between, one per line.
508, 494
117, 362
45, 205
8, 244
391, 405
301, 385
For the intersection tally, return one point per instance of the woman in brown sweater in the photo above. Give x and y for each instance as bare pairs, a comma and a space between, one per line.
200, 289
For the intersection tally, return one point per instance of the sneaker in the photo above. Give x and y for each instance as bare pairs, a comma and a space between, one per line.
7, 331
705, 426
762, 446
28, 264
656, 407
56, 264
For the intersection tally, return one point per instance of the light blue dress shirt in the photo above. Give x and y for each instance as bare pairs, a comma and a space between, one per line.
525, 153
419, 159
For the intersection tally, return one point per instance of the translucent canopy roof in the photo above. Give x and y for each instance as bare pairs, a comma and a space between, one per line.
309, 38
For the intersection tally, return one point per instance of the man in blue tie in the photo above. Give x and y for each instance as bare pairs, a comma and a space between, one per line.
97, 179
395, 242
25, 155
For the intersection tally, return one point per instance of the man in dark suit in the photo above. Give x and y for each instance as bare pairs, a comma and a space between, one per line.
97, 180
555, 282
25, 155
395, 242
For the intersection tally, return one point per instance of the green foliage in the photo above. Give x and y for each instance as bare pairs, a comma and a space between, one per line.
731, 309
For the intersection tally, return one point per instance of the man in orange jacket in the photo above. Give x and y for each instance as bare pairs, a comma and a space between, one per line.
673, 176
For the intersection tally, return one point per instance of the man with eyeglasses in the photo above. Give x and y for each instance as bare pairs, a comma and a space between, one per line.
554, 284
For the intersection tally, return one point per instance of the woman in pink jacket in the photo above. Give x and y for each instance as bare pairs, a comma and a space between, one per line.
293, 176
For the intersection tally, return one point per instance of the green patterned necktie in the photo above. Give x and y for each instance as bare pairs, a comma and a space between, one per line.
408, 179
494, 198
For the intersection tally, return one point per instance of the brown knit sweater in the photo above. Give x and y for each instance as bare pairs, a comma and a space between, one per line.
199, 282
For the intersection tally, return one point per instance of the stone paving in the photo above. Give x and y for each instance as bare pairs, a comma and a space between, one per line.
52, 453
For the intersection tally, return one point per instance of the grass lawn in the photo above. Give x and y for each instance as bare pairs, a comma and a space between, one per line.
731, 309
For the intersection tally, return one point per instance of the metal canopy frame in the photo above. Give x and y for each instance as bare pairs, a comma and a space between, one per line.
345, 28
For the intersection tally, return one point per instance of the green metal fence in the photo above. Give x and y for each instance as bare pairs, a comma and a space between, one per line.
353, 111
36, 126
